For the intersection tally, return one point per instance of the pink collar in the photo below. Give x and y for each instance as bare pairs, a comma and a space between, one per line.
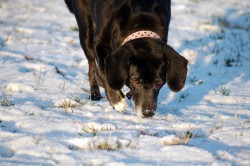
141, 34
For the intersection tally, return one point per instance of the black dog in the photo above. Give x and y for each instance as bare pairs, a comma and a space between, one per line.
125, 44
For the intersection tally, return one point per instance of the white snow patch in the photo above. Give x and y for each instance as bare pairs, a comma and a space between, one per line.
213, 107
6, 152
13, 87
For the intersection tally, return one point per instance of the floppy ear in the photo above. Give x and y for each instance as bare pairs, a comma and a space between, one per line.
176, 69
116, 67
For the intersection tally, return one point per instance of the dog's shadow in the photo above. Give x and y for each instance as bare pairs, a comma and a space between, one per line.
214, 61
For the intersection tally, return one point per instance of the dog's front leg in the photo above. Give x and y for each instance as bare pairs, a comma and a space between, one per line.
116, 98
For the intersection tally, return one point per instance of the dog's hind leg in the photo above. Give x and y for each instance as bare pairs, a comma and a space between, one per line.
86, 32
94, 87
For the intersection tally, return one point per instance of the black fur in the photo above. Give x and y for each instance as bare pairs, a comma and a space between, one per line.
144, 65
69, 4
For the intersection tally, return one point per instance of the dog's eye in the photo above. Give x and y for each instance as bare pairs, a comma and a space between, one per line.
135, 81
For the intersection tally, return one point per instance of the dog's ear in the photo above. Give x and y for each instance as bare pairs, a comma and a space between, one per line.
176, 69
117, 67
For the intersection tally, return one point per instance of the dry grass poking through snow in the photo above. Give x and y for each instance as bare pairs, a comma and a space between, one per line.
5, 102
177, 140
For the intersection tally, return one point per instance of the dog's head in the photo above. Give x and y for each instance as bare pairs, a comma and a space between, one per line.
145, 65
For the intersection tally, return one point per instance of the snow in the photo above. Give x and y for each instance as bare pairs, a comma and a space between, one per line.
46, 117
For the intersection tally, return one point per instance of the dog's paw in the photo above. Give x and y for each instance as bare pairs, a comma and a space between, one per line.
95, 97
120, 106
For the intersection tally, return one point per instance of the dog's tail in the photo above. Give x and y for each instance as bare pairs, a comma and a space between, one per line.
69, 4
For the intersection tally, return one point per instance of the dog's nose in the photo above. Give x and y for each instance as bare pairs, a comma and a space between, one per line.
148, 113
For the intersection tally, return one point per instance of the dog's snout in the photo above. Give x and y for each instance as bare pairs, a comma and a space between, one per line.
148, 113
145, 111
148, 109
145, 104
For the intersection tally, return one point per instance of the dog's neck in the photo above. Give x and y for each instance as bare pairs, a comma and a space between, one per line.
141, 34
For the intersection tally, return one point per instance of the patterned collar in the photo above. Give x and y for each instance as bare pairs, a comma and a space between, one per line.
141, 34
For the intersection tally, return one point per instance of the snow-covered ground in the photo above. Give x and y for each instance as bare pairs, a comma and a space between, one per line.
47, 119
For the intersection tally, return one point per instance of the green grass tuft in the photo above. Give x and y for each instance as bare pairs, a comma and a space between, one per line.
224, 91
74, 28
6, 103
